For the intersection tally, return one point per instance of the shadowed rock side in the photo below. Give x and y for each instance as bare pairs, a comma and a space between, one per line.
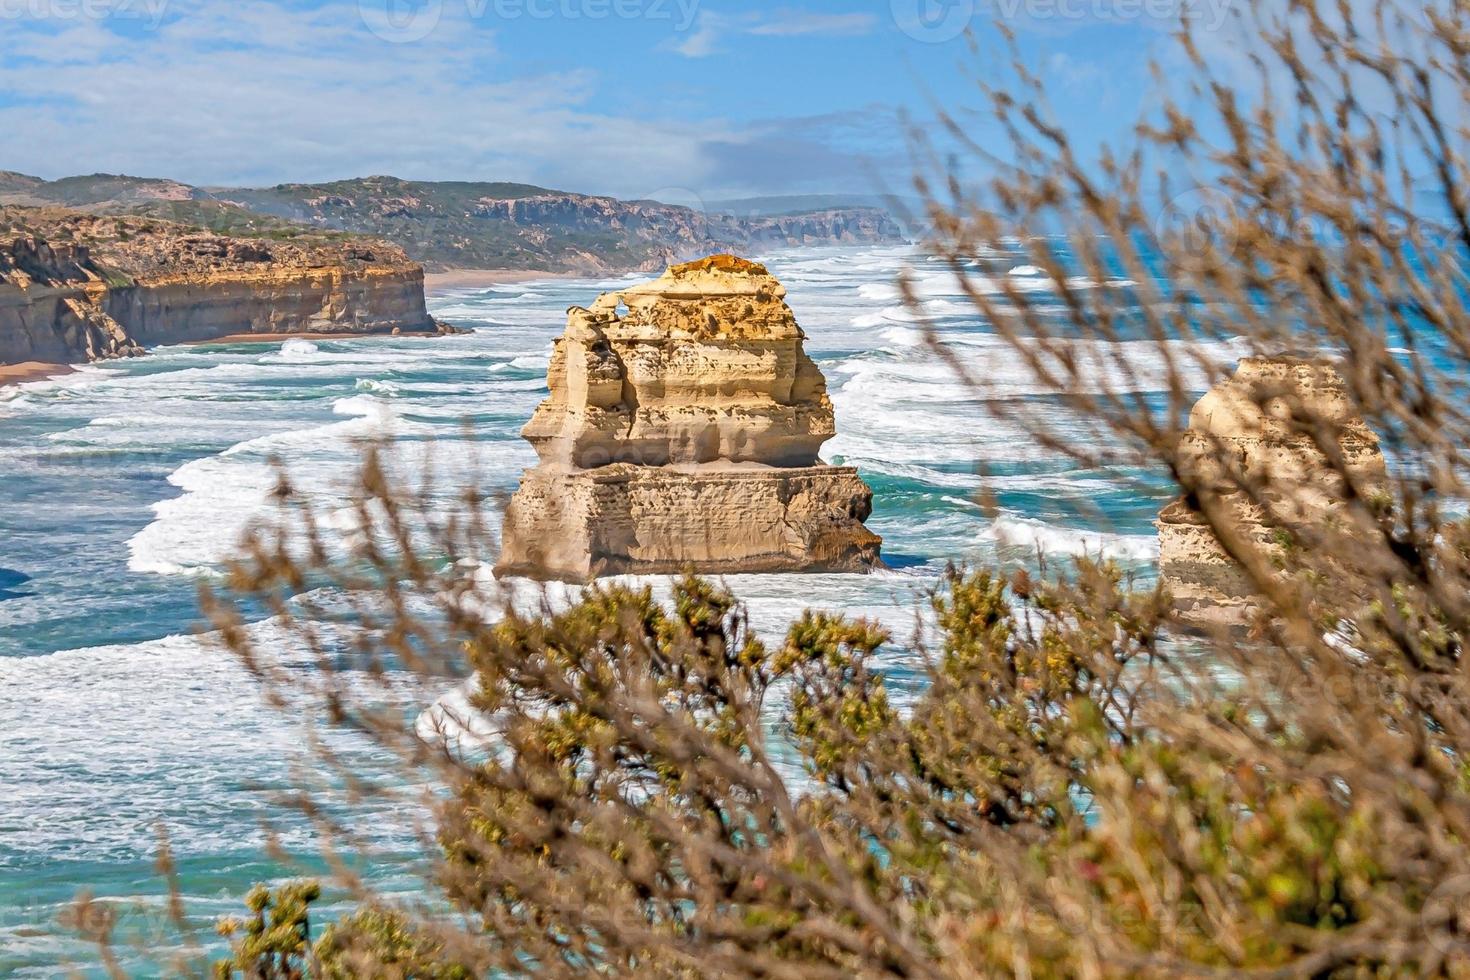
681, 431
1244, 426
76, 287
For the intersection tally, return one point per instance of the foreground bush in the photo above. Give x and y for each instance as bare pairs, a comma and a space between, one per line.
1065, 797
1077, 790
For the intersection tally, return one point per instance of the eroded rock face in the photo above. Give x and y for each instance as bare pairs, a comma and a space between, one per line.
682, 430
79, 287
703, 364
1242, 433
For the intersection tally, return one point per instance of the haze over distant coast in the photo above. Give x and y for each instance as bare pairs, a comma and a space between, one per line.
481, 225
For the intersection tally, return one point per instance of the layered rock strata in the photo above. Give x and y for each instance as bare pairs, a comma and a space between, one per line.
682, 431
79, 288
1246, 432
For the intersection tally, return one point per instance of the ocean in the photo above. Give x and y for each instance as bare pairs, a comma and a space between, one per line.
126, 483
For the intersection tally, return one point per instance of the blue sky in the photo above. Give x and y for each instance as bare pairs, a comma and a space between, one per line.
685, 99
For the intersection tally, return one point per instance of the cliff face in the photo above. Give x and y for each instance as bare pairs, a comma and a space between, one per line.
281, 299
830, 226
674, 230
49, 304
1245, 432
473, 225
682, 430
77, 287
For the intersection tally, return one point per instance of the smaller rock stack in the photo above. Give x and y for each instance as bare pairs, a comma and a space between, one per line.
682, 431
1241, 433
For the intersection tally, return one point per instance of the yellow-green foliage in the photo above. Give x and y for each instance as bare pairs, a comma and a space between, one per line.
274, 941
382, 943
1072, 786
1020, 809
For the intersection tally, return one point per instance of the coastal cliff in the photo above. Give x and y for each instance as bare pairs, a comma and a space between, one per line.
80, 287
1248, 444
682, 431
474, 224
646, 236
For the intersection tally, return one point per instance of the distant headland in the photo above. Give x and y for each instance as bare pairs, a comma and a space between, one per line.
478, 225
79, 287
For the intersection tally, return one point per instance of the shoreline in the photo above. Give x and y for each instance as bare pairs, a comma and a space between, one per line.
14, 374
478, 278
24, 371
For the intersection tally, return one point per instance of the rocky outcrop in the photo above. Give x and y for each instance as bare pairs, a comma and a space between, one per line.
77, 287
50, 304
640, 520
1247, 446
682, 431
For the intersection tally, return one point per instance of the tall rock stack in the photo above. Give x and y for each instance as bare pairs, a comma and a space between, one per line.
1242, 433
682, 431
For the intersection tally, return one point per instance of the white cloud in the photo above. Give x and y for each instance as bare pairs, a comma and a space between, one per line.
258, 92
243, 91
710, 28
793, 23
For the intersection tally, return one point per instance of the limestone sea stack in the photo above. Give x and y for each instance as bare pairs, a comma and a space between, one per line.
682, 432
1242, 433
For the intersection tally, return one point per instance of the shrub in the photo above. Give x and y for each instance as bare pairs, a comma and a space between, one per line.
1079, 789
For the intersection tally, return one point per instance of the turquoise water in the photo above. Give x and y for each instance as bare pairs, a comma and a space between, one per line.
125, 483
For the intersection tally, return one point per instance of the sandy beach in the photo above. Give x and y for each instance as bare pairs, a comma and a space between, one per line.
14, 374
